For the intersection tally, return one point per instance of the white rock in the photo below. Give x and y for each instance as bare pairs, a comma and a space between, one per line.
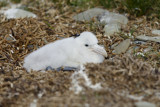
144, 104
113, 22
34, 103
89, 14
135, 97
111, 29
156, 32
10, 38
110, 17
18, 13
148, 38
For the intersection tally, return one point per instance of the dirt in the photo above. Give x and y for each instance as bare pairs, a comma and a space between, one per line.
120, 76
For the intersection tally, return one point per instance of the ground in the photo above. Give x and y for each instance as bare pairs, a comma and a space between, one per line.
121, 76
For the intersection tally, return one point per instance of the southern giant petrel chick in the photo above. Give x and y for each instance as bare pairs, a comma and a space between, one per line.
68, 52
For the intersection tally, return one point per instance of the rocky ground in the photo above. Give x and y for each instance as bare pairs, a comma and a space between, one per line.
129, 78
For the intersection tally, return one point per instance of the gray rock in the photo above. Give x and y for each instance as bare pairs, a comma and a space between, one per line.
134, 97
9, 38
113, 22
18, 13
110, 17
156, 32
148, 38
122, 47
144, 104
110, 29
89, 14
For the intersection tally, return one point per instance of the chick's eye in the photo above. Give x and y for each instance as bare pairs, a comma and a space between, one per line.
86, 45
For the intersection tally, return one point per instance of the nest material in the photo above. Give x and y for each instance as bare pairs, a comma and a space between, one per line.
125, 75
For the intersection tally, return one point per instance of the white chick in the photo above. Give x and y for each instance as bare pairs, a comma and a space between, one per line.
68, 52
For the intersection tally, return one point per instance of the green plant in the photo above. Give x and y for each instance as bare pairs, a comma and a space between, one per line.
77, 2
105, 3
3, 3
133, 7
138, 7
16, 1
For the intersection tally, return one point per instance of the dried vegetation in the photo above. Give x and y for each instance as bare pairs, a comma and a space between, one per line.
121, 75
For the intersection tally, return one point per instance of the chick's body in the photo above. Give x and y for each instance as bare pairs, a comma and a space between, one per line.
70, 52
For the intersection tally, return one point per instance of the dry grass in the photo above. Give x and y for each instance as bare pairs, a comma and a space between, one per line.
120, 75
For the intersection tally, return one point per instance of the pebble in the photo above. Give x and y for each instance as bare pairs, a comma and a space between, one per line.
122, 47
10, 38
110, 29
156, 32
144, 104
18, 13
149, 38
113, 22
89, 14
114, 18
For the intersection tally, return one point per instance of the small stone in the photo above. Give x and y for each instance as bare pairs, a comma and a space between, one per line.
111, 29
122, 47
113, 22
18, 13
110, 17
149, 38
135, 97
156, 32
144, 104
10, 38
89, 14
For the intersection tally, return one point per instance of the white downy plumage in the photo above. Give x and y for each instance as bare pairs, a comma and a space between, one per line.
68, 52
